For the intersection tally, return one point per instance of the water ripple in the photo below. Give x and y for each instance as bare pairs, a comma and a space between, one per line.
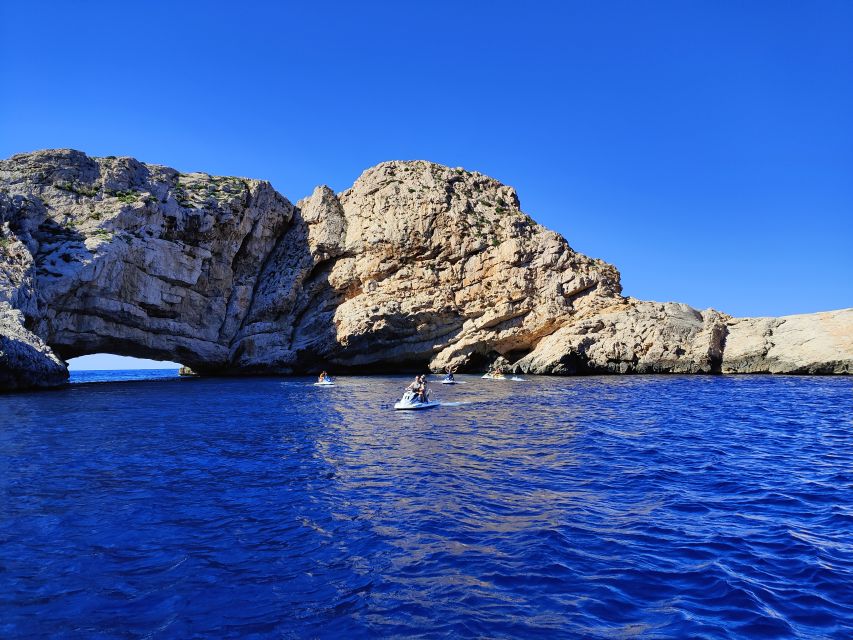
654, 507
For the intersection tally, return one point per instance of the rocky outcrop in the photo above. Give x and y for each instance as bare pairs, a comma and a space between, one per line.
26, 362
648, 337
633, 336
816, 343
415, 265
112, 255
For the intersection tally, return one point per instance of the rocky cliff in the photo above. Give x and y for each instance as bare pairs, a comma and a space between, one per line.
415, 265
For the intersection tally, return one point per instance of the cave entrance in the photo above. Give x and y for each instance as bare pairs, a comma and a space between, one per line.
113, 362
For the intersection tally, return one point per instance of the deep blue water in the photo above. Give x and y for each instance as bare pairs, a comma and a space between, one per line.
602, 507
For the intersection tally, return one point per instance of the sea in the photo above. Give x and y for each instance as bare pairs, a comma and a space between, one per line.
137, 504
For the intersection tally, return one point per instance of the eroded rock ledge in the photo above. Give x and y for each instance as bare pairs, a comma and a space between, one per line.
415, 265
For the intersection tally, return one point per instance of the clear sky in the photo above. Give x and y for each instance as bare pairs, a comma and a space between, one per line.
705, 148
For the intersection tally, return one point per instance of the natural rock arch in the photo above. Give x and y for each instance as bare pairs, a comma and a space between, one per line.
416, 264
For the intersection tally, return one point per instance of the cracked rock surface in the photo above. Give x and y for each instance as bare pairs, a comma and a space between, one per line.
415, 265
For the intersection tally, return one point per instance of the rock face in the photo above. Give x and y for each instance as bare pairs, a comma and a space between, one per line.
814, 343
416, 265
648, 337
632, 336
26, 362
111, 255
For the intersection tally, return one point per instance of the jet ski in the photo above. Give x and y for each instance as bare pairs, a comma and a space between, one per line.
410, 401
325, 383
494, 376
449, 380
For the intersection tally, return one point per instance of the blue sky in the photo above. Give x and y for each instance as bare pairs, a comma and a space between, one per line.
704, 148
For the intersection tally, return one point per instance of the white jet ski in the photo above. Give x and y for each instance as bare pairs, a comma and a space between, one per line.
410, 401
494, 376
326, 383
450, 381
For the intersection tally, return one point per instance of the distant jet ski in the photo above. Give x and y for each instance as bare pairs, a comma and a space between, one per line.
410, 400
324, 380
449, 379
494, 376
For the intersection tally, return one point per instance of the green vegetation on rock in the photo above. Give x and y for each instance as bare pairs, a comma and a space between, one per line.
78, 188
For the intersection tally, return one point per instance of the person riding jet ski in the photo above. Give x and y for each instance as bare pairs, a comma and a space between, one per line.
419, 388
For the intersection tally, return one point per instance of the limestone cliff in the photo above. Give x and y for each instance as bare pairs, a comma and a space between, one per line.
809, 343
634, 336
111, 255
415, 265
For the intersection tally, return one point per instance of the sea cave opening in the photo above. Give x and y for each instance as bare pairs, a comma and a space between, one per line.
114, 362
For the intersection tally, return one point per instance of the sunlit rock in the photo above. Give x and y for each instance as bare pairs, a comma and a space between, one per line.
416, 265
